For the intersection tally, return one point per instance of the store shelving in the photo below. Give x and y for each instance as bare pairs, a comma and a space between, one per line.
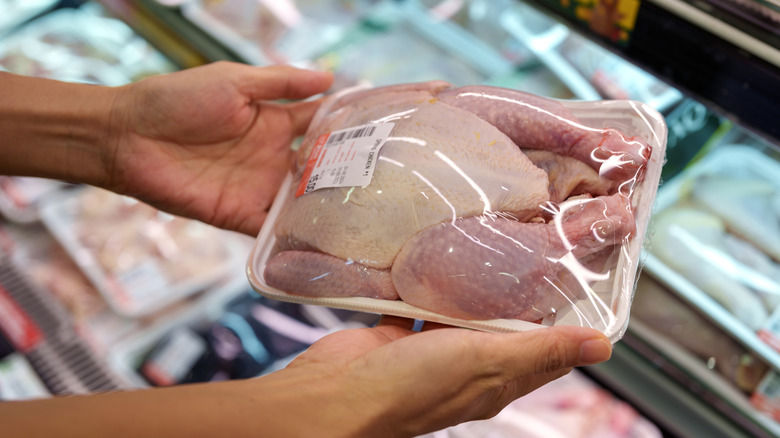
710, 59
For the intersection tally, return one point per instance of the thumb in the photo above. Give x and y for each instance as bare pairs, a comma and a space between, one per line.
549, 350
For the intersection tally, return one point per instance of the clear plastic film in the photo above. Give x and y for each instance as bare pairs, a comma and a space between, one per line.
476, 206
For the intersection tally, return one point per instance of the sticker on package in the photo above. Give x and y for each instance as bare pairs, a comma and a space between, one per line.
344, 158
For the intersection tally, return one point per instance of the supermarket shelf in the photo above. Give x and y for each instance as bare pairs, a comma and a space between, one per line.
649, 386
733, 67
692, 372
166, 29
720, 161
720, 316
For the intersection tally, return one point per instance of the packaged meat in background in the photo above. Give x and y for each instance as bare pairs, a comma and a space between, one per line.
614, 77
661, 313
407, 42
53, 268
476, 206
707, 358
395, 54
21, 196
276, 31
246, 337
19, 381
716, 236
16, 12
570, 407
80, 45
140, 259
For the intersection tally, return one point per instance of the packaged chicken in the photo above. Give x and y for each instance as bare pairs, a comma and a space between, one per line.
16, 12
276, 31
20, 196
716, 240
140, 259
476, 206
80, 45
573, 406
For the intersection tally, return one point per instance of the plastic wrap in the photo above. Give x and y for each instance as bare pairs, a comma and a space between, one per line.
20, 196
81, 45
277, 31
244, 337
140, 259
570, 407
716, 240
476, 206
16, 12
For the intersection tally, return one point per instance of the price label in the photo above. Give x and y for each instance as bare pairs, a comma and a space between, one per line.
344, 158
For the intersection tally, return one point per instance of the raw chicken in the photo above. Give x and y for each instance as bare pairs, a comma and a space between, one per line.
518, 262
762, 268
750, 207
663, 313
573, 406
456, 212
413, 187
569, 176
688, 240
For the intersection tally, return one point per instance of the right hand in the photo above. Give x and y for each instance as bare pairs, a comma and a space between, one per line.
407, 383
210, 143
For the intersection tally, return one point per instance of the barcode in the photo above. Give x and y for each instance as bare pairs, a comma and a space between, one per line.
365, 131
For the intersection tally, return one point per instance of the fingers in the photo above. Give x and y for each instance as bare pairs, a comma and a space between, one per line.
277, 82
547, 350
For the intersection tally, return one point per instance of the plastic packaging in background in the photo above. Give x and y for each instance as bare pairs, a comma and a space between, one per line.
766, 399
276, 31
441, 216
716, 242
55, 271
616, 78
19, 381
81, 45
140, 259
572, 406
685, 338
16, 12
20, 196
483, 19
676, 329
125, 352
243, 338
406, 42
395, 55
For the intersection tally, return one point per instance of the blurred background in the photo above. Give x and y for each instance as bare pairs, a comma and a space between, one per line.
99, 292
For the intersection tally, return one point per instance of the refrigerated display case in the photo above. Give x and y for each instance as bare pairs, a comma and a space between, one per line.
694, 362
711, 69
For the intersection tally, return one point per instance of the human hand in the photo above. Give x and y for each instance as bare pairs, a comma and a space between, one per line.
208, 143
382, 382
398, 383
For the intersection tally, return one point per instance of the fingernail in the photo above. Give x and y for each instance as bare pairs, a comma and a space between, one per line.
595, 351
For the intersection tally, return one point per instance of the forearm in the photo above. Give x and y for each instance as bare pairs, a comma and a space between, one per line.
54, 129
292, 404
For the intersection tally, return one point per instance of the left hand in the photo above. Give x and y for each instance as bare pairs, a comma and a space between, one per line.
394, 382
208, 143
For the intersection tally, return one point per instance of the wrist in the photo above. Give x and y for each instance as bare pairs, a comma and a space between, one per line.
56, 129
306, 403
